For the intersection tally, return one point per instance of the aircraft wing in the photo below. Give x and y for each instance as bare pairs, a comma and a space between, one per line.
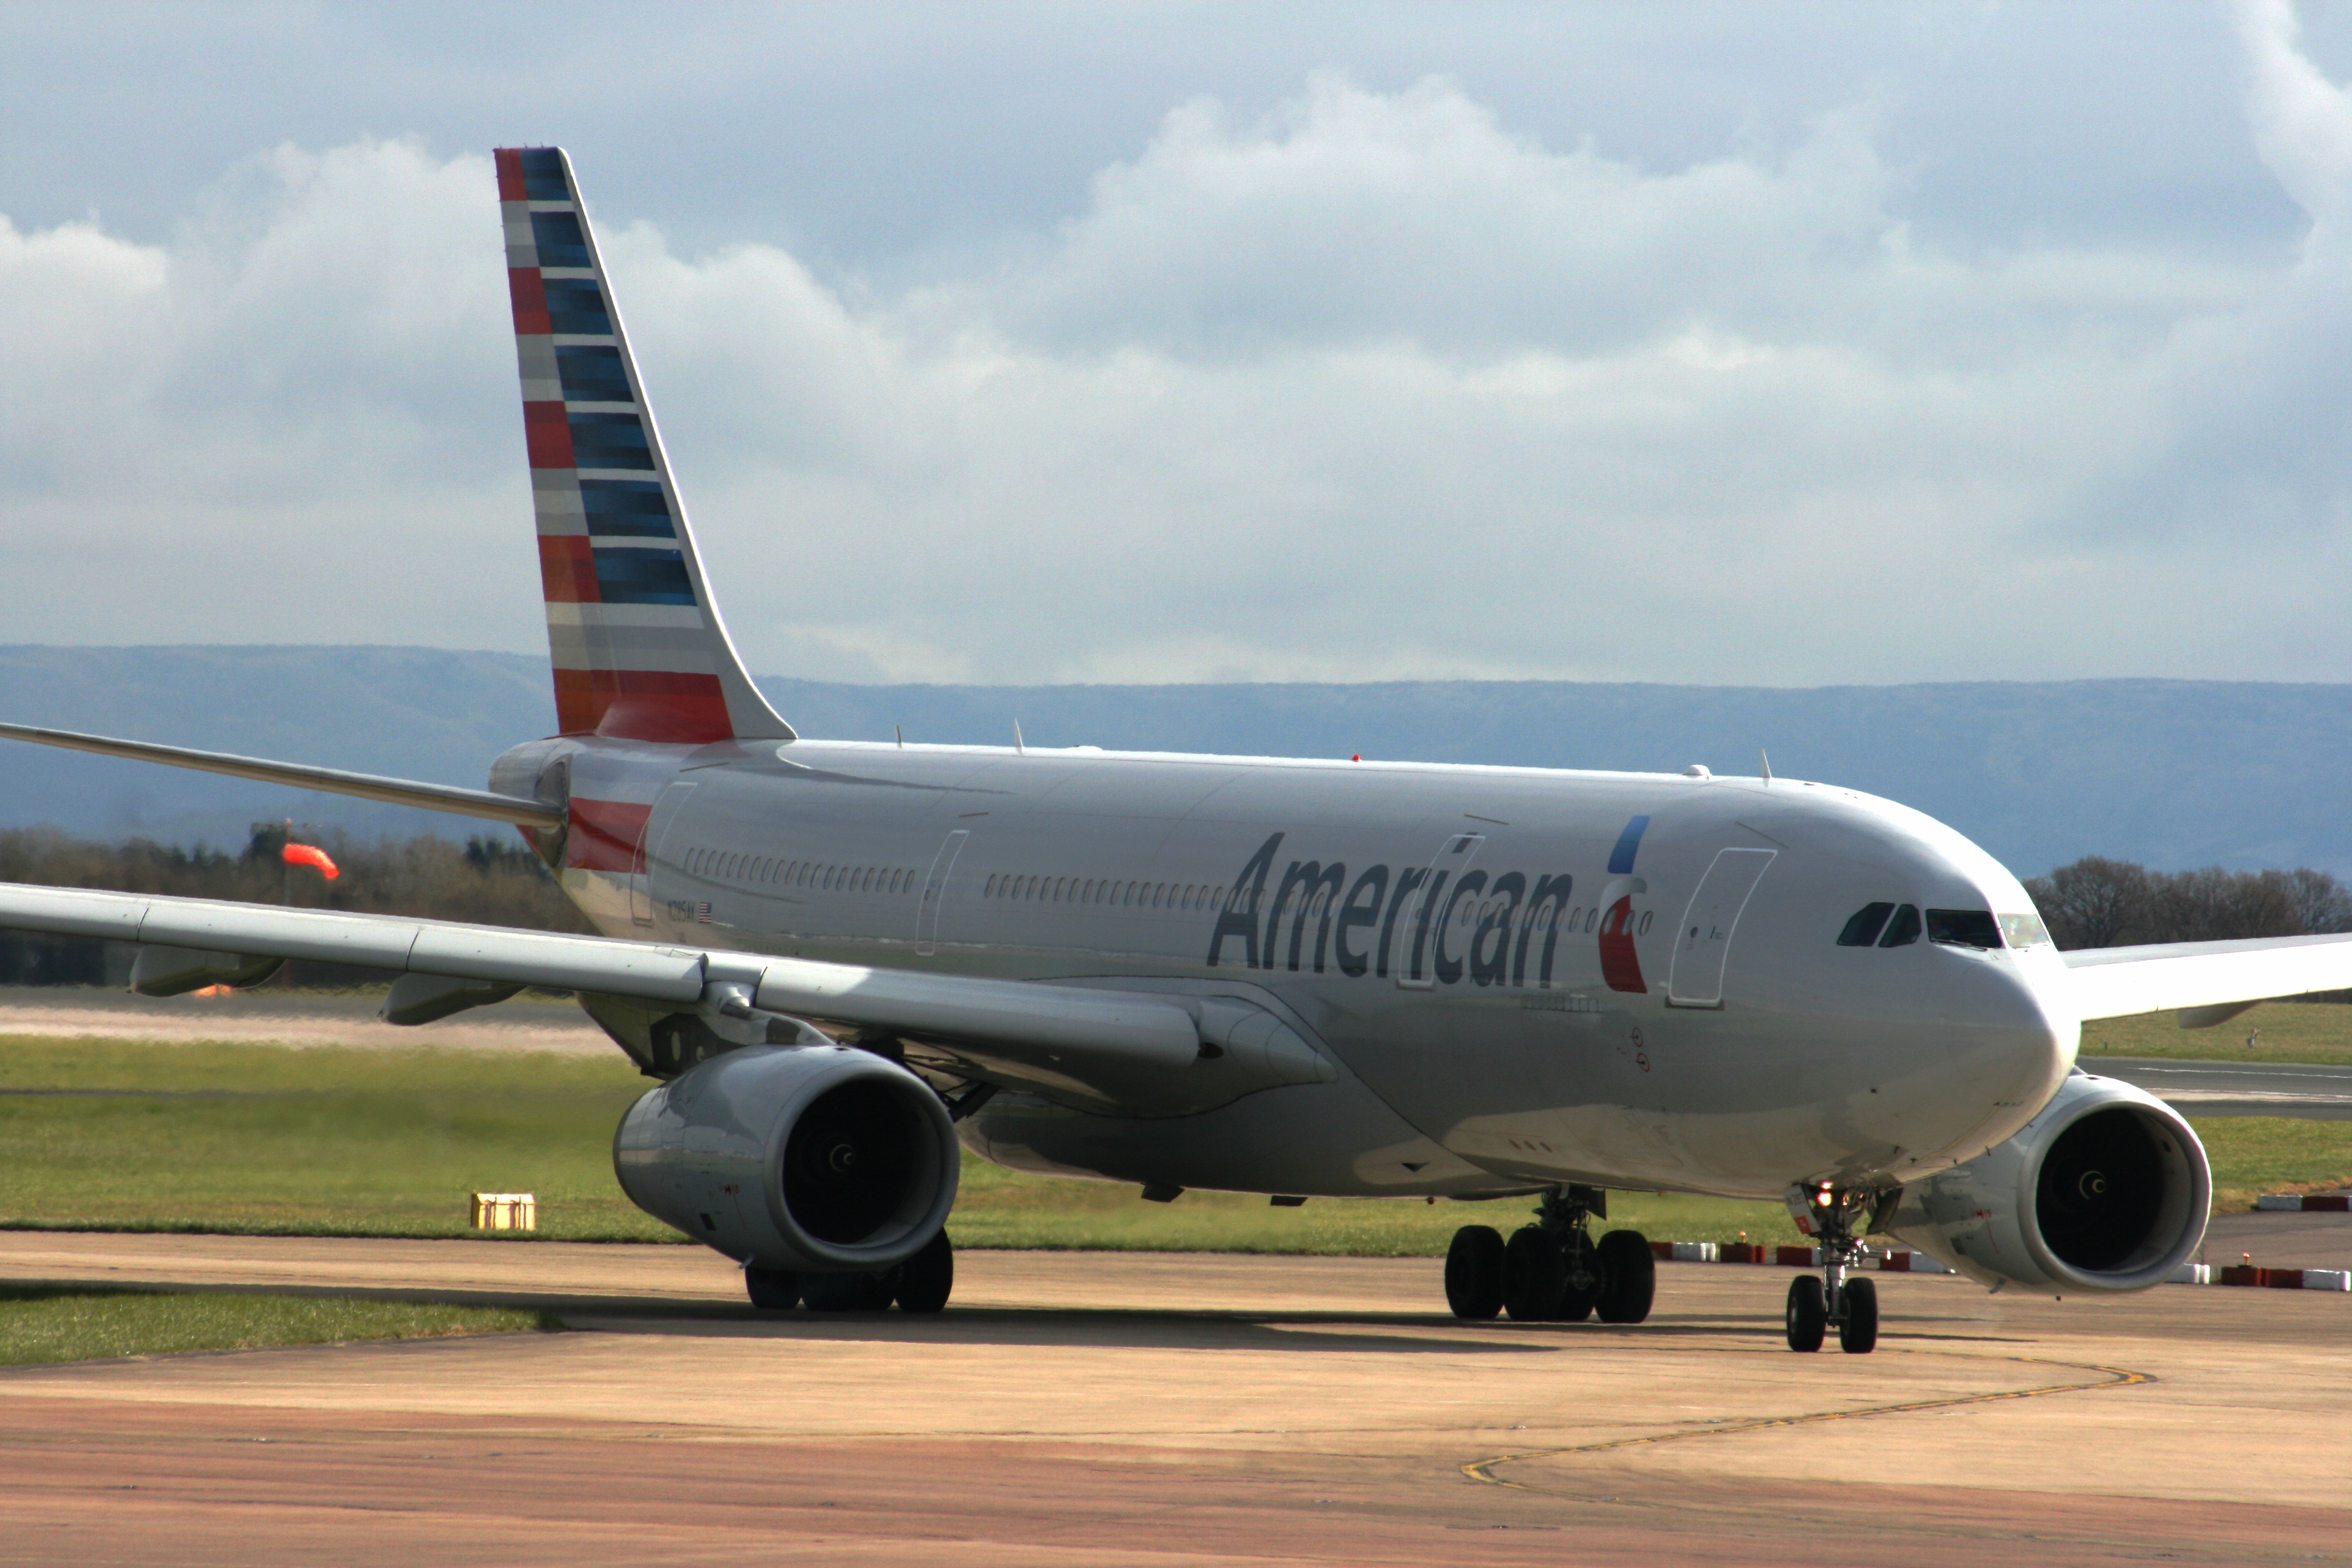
2206, 982
1090, 1046
477, 803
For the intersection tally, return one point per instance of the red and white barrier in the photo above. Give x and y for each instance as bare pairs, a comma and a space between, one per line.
2305, 1202
1921, 1262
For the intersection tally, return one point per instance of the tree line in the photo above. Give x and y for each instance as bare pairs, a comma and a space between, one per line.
2099, 903
487, 880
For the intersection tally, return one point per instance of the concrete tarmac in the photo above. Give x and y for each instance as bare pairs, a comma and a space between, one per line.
1165, 1409
2311, 1090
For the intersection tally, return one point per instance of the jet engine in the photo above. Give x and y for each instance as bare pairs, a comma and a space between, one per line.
817, 1158
2106, 1190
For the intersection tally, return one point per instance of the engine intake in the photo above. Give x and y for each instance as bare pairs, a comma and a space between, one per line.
819, 1158
2107, 1189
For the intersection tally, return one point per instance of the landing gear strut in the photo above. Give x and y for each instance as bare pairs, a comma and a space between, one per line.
1850, 1304
1552, 1271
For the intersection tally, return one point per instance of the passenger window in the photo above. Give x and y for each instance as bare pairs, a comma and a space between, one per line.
1964, 928
1904, 928
1645, 928
1861, 927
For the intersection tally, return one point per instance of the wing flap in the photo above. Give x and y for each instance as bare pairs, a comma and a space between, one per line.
1041, 1020
373, 941
2203, 979
1092, 1047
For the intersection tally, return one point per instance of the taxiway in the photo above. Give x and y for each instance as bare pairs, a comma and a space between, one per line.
1170, 1409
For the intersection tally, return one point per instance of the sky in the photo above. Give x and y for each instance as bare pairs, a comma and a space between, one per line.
1131, 341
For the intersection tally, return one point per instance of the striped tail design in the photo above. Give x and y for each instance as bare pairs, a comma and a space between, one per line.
639, 649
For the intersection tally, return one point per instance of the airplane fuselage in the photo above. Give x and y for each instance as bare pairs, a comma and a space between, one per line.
1521, 976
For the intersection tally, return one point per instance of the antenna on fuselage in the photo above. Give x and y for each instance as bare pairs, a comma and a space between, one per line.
900, 731
1765, 758
1016, 739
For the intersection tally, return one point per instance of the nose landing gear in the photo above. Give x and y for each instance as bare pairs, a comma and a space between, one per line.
1850, 1305
1552, 1271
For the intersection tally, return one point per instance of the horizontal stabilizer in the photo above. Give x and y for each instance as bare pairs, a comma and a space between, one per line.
2204, 979
481, 802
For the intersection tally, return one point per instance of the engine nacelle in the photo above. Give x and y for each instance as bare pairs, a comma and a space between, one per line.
818, 1158
2107, 1189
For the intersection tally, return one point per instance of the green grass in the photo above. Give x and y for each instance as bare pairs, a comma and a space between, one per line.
2256, 1154
2282, 1031
323, 1141
40, 1324
267, 1139
1006, 1208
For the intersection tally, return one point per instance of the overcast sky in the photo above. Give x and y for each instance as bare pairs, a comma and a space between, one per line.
1720, 343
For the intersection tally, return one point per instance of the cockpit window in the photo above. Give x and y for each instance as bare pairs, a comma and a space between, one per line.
1904, 928
1963, 928
1863, 929
2024, 930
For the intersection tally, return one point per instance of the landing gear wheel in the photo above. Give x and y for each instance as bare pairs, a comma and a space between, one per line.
1581, 1277
771, 1289
1629, 1276
1535, 1275
1473, 1273
1808, 1313
925, 1279
1858, 1324
861, 1292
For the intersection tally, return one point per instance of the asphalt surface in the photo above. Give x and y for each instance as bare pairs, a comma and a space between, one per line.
1158, 1409
2236, 1088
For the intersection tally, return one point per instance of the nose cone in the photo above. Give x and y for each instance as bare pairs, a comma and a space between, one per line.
2007, 1041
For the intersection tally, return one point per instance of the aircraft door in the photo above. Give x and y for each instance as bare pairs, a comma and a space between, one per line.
649, 843
1411, 964
935, 888
1704, 943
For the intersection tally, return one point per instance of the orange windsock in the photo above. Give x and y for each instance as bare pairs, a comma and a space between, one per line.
311, 854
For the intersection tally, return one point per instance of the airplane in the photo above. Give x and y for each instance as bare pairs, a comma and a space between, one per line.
845, 963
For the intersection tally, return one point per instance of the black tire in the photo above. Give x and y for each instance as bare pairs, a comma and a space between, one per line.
1473, 1273
1629, 1276
1858, 1330
1535, 1275
771, 1289
860, 1292
926, 1280
1579, 1285
1809, 1314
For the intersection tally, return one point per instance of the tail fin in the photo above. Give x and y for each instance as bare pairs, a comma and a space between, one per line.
639, 649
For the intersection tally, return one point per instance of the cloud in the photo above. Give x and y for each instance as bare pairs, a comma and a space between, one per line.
1367, 386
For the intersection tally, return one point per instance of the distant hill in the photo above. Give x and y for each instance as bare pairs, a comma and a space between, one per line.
2170, 773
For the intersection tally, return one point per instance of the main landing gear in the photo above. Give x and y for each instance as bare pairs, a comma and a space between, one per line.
1849, 1304
921, 1284
1552, 1271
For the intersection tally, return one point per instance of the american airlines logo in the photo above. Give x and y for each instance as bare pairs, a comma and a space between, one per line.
1439, 924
